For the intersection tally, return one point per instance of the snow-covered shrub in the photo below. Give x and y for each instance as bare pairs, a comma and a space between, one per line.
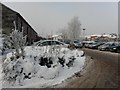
61, 61
71, 61
4, 44
17, 41
16, 71
12, 65
38, 65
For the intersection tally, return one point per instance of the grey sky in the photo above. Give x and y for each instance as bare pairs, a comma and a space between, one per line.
49, 17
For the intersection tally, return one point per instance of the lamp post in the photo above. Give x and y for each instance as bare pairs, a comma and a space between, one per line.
84, 33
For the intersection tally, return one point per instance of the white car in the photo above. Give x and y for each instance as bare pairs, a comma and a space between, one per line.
50, 43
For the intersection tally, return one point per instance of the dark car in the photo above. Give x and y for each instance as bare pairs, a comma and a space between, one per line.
77, 44
115, 48
87, 44
106, 46
67, 42
96, 45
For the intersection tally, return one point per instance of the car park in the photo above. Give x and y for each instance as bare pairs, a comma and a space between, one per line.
106, 46
96, 45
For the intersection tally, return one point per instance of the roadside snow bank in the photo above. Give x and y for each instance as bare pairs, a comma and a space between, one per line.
41, 67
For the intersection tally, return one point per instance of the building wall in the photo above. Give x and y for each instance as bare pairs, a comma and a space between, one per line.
27, 29
0, 18
7, 20
8, 16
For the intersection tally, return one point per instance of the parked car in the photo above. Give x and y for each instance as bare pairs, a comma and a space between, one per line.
67, 42
115, 48
88, 45
36, 43
96, 45
77, 44
50, 42
106, 46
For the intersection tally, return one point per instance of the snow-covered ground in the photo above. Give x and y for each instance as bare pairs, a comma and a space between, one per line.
0, 76
1, 39
41, 66
1, 45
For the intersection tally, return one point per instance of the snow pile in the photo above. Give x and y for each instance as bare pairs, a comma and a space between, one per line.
1, 45
41, 66
0, 75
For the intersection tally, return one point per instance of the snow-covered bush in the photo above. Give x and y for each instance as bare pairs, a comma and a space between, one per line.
35, 65
5, 45
39, 67
17, 40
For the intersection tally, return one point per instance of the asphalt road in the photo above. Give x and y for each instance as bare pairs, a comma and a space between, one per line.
101, 71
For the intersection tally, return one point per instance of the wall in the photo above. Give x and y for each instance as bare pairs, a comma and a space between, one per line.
8, 16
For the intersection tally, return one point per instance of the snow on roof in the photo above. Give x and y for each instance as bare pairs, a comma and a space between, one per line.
93, 35
114, 37
56, 35
104, 35
96, 35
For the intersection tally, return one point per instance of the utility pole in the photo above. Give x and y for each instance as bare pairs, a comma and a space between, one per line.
84, 33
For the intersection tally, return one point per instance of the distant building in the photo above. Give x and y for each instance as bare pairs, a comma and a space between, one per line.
9, 16
56, 37
102, 38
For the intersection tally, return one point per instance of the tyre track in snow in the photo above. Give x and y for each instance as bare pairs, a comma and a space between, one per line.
101, 71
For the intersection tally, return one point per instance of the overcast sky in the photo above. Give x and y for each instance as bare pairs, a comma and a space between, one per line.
50, 17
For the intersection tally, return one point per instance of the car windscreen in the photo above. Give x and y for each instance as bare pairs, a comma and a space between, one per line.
76, 41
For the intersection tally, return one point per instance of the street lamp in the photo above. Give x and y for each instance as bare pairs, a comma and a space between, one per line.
84, 33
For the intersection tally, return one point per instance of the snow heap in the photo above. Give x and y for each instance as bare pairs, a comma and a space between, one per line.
0, 75
41, 66
1, 45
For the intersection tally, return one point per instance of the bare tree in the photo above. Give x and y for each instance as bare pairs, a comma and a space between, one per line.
64, 33
74, 29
